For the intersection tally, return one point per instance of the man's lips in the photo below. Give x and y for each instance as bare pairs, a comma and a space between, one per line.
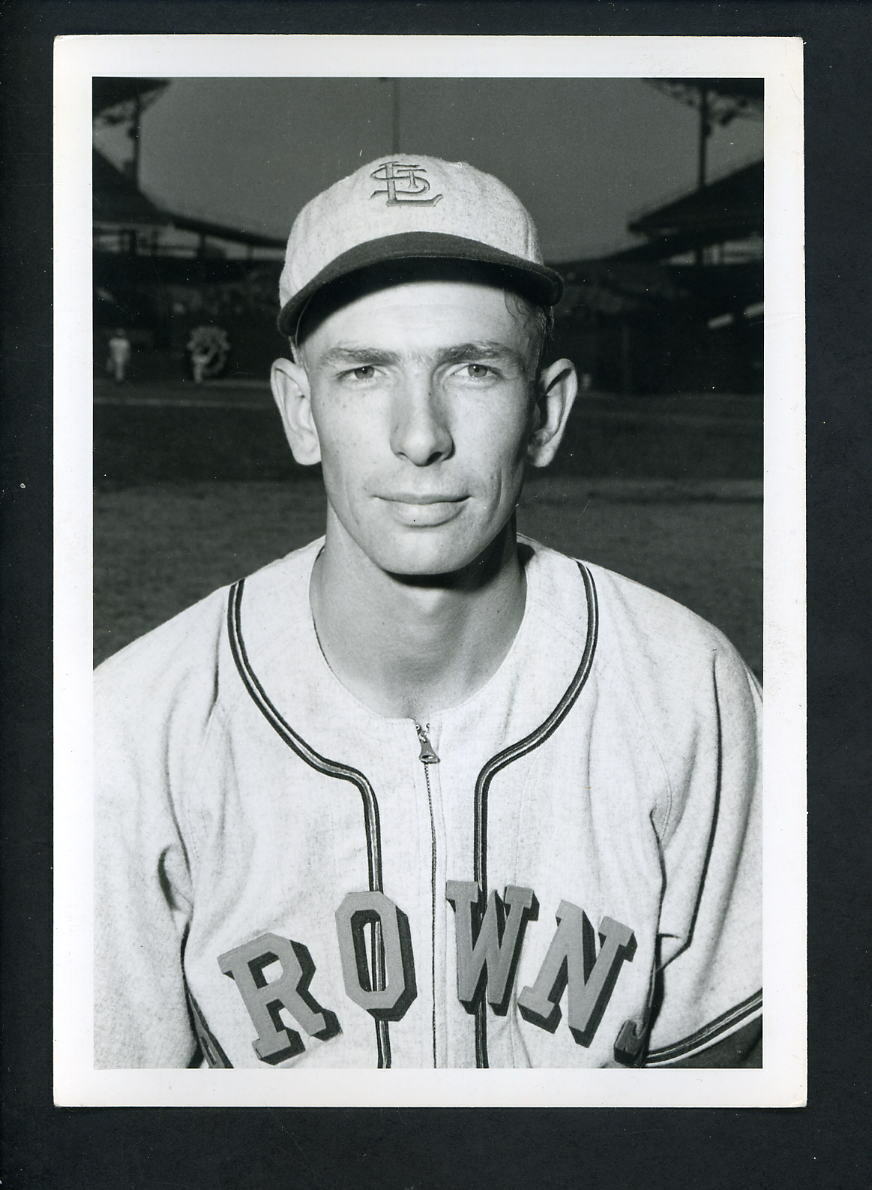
423, 508
422, 497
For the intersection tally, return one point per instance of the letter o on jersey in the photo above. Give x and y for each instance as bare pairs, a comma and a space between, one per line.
387, 988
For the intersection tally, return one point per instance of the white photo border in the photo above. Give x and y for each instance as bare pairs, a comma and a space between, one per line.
781, 1082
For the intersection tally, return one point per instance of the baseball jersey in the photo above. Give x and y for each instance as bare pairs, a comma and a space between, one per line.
561, 871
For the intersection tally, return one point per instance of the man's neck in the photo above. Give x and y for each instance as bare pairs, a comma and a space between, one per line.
411, 648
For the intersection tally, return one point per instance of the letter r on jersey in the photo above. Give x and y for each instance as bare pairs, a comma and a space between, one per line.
489, 946
246, 964
572, 960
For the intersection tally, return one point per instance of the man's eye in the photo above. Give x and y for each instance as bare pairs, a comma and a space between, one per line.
477, 371
358, 375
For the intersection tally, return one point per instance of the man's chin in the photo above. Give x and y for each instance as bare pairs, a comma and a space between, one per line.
445, 567
430, 573
433, 563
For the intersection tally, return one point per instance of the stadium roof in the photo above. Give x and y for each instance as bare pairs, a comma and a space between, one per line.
117, 200
730, 208
107, 93
237, 235
745, 93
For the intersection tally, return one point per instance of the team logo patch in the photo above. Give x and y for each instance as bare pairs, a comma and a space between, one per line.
403, 183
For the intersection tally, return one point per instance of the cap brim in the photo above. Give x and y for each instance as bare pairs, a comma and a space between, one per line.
535, 281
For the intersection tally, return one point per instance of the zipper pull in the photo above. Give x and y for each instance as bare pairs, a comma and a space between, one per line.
427, 755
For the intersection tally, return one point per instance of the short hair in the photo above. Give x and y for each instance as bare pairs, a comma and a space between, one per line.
539, 321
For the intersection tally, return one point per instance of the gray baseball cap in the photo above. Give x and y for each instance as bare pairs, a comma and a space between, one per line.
412, 207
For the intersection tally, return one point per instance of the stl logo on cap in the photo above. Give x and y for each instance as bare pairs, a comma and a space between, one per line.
403, 183
392, 209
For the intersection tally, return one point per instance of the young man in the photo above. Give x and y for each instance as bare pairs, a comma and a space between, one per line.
424, 793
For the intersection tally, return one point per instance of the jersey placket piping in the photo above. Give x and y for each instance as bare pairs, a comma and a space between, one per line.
510, 755
329, 768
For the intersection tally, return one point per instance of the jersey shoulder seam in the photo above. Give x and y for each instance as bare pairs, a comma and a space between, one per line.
600, 668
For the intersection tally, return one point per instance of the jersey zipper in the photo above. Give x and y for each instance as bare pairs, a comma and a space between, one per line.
427, 756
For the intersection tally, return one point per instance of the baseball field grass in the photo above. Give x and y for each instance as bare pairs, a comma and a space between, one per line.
196, 488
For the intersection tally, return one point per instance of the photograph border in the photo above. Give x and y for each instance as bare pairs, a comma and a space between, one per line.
781, 1081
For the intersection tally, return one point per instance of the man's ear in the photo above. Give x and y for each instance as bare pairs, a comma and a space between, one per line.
290, 389
555, 393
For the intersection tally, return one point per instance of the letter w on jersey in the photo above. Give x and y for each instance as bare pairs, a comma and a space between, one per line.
488, 947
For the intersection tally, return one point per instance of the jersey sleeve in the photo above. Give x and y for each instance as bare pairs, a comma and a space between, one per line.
707, 1008
142, 881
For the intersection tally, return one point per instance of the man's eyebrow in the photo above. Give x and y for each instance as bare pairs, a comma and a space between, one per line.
482, 349
349, 354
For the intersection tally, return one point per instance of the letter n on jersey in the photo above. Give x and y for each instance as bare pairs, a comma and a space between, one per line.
572, 960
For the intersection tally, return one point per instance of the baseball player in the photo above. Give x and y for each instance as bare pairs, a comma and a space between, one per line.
119, 355
425, 793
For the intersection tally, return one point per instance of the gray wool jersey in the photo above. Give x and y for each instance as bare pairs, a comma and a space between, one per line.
564, 870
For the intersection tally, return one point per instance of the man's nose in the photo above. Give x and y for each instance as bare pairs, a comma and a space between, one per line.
420, 430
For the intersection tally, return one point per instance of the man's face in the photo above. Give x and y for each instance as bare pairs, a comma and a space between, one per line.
422, 401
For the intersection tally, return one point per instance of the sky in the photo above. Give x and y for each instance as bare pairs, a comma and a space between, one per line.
584, 155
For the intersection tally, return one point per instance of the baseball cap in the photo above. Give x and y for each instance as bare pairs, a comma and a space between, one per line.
412, 207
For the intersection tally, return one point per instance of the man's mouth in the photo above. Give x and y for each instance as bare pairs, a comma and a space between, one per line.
424, 509
411, 497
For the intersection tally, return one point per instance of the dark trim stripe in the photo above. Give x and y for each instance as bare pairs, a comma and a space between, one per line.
209, 1044
716, 1030
330, 768
515, 752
